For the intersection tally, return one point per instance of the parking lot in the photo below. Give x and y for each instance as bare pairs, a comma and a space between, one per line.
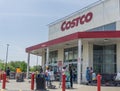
26, 86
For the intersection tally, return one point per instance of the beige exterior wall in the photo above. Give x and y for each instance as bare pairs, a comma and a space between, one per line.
60, 54
43, 60
103, 13
118, 25
111, 11
86, 60
91, 54
118, 57
118, 48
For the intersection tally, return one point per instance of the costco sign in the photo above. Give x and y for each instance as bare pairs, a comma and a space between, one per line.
77, 21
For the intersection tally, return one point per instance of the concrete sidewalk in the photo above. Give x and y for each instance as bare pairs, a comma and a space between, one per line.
26, 86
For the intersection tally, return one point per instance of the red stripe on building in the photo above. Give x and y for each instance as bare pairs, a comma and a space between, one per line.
97, 34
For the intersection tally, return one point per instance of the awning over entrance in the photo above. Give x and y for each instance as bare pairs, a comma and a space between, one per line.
77, 35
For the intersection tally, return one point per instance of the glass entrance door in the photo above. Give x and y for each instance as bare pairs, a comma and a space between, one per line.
104, 58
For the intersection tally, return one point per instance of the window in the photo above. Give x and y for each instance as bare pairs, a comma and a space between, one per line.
70, 54
75, 53
53, 56
108, 27
104, 58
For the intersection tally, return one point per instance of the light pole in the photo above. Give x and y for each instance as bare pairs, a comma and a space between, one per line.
6, 56
37, 64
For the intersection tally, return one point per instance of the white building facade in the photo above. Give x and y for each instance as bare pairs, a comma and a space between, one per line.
89, 37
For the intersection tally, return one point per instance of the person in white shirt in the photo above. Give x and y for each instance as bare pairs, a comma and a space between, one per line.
63, 70
117, 78
47, 76
51, 75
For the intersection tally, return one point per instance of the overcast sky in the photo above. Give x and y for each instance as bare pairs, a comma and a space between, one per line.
23, 23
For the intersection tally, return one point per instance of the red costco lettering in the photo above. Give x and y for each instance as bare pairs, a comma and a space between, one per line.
89, 16
68, 24
82, 19
63, 26
75, 22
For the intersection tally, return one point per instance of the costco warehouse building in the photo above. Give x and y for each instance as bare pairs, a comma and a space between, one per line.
89, 37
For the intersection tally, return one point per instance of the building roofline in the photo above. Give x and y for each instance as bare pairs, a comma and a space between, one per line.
79, 11
77, 35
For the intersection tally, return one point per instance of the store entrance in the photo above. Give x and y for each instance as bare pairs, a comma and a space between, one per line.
104, 59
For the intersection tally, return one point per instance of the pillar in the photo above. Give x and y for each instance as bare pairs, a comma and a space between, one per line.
79, 61
47, 56
28, 63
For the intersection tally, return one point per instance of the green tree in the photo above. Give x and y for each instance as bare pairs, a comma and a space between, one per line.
14, 64
35, 68
2, 65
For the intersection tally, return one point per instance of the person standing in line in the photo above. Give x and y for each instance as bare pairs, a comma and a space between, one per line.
51, 75
74, 75
88, 75
41, 70
71, 74
8, 73
18, 72
63, 70
47, 76
91, 71
67, 84
94, 77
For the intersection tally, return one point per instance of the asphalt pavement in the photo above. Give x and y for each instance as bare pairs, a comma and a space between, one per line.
26, 86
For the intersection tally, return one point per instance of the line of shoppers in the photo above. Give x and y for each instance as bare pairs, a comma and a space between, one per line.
90, 75
69, 74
